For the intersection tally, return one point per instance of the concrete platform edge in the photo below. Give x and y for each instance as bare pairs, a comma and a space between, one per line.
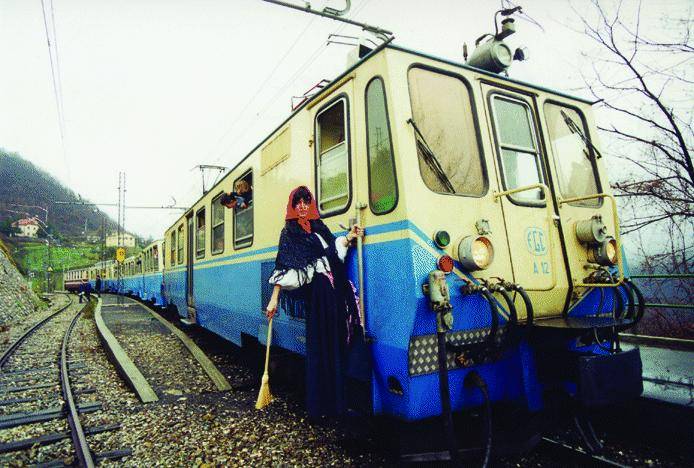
124, 365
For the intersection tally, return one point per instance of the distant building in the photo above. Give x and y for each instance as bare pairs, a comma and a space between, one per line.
127, 240
93, 238
28, 227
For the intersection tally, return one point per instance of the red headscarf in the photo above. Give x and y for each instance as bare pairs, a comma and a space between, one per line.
305, 223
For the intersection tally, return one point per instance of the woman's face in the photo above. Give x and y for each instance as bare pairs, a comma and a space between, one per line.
302, 208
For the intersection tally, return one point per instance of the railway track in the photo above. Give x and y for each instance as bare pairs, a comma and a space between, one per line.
567, 453
40, 389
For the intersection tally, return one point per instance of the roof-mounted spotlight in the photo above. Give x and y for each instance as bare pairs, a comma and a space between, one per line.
494, 55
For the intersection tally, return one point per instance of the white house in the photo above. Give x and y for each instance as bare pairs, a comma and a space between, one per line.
127, 240
28, 227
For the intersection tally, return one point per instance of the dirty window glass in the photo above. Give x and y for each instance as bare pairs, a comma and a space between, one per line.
383, 192
180, 244
572, 159
519, 156
217, 226
332, 159
200, 234
442, 110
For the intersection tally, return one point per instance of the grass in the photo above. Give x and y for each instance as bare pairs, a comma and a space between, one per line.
89, 309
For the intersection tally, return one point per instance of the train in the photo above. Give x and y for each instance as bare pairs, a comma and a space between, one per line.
491, 271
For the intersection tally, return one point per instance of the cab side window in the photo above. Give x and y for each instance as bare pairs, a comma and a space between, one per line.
217, 225
172, 257
180, 244
332, 158
383, 189
200, 234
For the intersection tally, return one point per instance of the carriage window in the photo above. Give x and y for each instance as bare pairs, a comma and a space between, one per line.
383, 190
333, 158
172, 257
573, 160
155, 258
448, 150
180, 244
243, 214
217, 226
200, 234
520, 159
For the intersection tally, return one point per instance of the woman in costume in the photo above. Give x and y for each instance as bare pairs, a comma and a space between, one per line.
310, 262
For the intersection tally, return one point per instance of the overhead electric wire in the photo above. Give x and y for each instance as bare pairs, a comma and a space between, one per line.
55, 77
262, 85
314, 56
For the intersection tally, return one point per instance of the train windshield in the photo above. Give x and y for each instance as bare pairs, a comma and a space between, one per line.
573, 159
449, 157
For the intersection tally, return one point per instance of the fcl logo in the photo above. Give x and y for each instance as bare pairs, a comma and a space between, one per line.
535, 241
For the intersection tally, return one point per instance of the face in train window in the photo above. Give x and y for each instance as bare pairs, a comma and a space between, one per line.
574, 161
520, 160
332, 158
243, 211
383, 189
447, 146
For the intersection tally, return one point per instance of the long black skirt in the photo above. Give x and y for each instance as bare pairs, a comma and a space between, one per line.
325, 338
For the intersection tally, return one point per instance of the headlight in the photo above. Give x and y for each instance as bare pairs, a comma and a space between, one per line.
591, 231
476, 252
604, 254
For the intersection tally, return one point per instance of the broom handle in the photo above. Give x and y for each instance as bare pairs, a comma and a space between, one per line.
267, 349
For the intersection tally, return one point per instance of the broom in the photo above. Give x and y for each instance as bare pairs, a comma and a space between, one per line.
264, 396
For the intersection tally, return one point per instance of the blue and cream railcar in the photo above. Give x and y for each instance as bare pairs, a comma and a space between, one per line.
151, 287
131, 276
484, 199
73, 278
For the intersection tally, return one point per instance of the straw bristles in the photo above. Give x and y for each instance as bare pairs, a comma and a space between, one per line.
264, 397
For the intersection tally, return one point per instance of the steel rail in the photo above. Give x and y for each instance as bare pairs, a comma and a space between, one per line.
13, 347
79, 439
587, 459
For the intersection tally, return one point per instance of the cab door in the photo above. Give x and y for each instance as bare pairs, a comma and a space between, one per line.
333, 147
527, 202
190, 248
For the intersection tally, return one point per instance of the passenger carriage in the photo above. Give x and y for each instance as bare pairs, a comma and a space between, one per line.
451, 169
152, 266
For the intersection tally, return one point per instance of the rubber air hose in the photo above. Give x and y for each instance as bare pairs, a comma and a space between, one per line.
512, 330
474, 380
631, 309
527, 302
639, 296
495, 319
512, 312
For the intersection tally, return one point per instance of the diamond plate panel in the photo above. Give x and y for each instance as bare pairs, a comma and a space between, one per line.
423, 354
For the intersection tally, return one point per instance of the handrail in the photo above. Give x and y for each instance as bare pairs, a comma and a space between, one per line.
664, 276
617, 238
550, 218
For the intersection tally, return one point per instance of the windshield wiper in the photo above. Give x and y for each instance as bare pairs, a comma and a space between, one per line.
573, 126
431, 159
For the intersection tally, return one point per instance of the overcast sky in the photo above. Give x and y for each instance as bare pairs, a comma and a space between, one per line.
156, 87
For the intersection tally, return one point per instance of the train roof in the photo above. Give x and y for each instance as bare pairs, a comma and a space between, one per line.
336, 80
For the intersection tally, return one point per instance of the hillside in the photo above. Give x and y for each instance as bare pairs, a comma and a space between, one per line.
21, 182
